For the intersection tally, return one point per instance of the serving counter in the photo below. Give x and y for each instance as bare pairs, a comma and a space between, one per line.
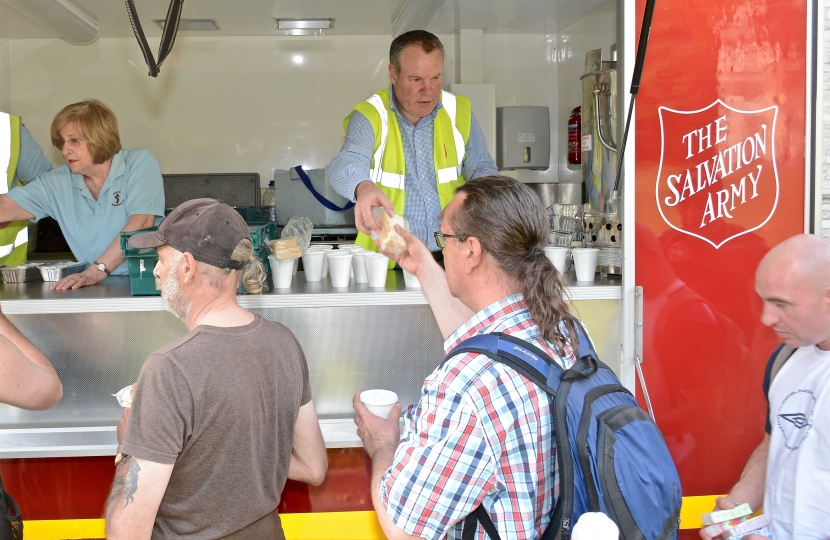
356, 338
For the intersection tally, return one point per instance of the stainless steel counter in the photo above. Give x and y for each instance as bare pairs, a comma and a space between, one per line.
113, 295
354, 338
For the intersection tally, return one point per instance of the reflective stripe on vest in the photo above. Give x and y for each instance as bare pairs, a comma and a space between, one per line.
452, 173
377, 174
5, 150
396, 181
21, 238
14, 237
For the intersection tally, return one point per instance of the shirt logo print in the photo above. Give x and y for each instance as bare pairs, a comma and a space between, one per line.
117, 198
795, 417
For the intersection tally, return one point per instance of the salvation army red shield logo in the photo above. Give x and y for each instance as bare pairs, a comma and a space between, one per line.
717, 178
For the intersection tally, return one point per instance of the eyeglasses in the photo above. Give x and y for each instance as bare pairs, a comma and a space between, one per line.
71, 143
440, 238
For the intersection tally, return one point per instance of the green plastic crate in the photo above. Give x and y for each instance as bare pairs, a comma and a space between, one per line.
142, 280
260, 233
127, 251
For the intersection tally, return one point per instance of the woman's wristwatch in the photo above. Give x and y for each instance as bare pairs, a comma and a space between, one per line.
102, 267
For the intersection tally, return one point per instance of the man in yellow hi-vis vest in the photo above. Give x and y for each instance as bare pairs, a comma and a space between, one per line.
408, 147
22, 160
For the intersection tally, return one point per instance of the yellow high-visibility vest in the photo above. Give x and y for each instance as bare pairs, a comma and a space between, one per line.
451, 130
14, 238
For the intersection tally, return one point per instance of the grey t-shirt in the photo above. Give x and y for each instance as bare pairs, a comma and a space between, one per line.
220, 404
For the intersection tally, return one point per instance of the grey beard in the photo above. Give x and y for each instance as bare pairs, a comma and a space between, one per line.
171, 295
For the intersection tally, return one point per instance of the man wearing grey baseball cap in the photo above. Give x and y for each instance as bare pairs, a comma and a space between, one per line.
222, 417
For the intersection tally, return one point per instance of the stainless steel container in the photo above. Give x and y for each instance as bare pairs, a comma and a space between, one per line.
21, 273
59, 270
556, 193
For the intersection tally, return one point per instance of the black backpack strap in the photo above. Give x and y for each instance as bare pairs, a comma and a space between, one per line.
784, 354
168, 36
479, 515
776, 361
520, 355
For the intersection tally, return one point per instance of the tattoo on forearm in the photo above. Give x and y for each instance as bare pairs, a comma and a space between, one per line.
131, 482
125, 482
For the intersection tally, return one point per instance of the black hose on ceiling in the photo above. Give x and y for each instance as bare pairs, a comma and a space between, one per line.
168, 36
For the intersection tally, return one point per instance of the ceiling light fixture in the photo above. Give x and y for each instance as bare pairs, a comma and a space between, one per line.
65, 19
303, 24
192, 24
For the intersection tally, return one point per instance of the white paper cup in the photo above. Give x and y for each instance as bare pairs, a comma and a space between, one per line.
281, 272
313, 264
324, 248
558, 256
379, 402
340, 265
595, 526
359, 266
296, 265
585, 261
377, 265
351, 248
410, 280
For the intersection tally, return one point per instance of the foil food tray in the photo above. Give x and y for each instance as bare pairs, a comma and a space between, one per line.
21, 273
59, 270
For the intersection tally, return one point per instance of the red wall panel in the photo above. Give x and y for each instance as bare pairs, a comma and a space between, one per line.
720, 179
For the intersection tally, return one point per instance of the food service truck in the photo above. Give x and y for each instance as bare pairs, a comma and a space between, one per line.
719, 165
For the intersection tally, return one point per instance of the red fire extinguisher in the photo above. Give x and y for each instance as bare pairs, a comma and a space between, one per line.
575, 137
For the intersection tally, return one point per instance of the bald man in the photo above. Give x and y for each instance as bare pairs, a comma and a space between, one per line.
789, 472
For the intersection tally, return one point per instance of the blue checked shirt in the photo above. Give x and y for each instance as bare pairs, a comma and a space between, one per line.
421, 204
480, 432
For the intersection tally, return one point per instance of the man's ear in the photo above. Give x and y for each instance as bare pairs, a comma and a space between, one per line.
393, 75
473, 253
187, 268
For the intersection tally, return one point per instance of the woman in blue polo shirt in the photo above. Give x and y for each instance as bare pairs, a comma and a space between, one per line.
102, 190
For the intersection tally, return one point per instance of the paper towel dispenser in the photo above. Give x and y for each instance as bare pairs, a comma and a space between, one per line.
522, 138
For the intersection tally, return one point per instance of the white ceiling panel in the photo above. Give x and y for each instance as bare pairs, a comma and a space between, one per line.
352, 17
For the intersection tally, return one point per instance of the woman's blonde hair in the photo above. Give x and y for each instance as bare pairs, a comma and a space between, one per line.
98, 126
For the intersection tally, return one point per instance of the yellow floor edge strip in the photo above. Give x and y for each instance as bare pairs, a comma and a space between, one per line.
312, 526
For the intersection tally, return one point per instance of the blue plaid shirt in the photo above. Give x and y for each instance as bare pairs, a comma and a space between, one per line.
421, 204
481, 432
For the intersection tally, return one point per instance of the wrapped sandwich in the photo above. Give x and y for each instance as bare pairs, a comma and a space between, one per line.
387, 238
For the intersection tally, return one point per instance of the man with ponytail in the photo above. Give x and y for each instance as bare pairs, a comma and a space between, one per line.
481, 433
223, 416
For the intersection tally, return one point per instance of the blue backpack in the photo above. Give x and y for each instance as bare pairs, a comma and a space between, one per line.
612, 457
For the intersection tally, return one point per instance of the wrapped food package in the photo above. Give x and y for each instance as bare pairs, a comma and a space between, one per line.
299, 228
387, 238
284, 249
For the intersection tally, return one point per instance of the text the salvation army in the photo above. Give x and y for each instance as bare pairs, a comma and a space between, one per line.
716, 168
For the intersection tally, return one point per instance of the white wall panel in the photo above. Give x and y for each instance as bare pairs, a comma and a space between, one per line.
597, 30
253, 103
219, 105
523, 67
